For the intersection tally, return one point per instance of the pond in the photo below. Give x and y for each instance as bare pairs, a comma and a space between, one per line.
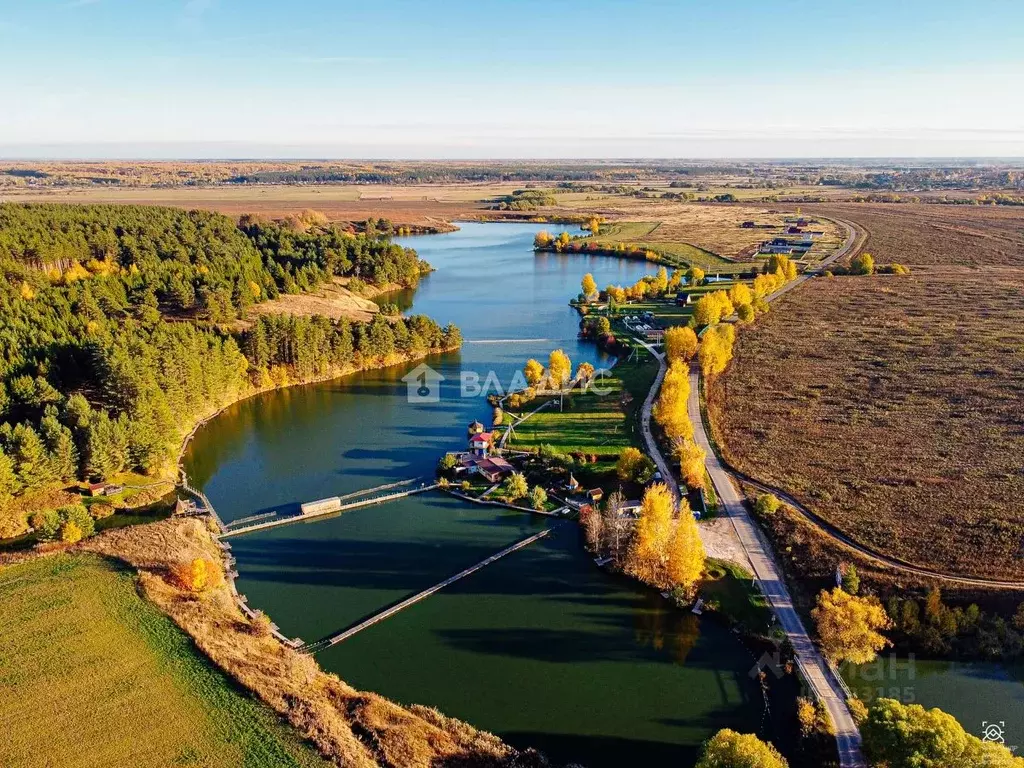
541, 647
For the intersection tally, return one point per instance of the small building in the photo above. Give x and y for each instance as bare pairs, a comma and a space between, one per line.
493, 469
480, 443
322, 506
113, 490
684, 299
475, 428
572, 484
184, 508
747, 225
97, 489
595, 495
630, 508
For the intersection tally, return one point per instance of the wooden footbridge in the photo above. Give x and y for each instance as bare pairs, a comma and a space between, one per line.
343, 504
327, 642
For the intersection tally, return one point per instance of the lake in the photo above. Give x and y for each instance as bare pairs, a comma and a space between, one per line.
541, 648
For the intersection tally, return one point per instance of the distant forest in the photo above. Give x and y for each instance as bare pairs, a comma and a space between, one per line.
119, 328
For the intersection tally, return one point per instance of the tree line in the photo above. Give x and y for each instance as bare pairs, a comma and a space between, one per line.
107, 356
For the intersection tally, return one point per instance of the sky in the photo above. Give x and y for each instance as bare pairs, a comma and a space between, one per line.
525, 79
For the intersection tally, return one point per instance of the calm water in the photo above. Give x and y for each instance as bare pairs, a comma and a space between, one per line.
973, 692
541, 647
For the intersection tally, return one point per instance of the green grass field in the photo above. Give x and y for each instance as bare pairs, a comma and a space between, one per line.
592, 422
729, 586
92, 675
674, 254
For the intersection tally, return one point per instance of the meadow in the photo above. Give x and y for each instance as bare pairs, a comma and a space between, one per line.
890, 407
91, 674
592, 423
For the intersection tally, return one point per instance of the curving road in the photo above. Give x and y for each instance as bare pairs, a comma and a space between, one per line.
823, 680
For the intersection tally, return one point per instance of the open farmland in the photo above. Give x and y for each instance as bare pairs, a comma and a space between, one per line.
422, 205
90, 675
890, 406
930, 235
714, 228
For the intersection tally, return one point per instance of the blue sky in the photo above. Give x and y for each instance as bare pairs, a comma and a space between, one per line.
562, 78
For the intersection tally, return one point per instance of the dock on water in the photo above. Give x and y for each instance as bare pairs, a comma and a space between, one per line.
327, 642
329, 506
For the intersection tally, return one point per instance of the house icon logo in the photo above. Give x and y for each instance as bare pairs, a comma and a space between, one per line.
423, 384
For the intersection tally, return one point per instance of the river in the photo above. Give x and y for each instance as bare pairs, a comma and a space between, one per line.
541, 648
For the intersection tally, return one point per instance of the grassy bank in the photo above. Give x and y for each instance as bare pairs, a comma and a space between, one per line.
94, 675
594, 422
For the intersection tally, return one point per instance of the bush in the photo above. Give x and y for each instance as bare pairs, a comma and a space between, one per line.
767, 505
745, 313
862, 264
70, 524
198, 575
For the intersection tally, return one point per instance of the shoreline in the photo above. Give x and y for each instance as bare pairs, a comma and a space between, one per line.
179, 473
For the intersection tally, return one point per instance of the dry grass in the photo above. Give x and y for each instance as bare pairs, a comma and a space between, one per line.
426, 206
333, 300
352, 728
935, 235
714, 228
891, 407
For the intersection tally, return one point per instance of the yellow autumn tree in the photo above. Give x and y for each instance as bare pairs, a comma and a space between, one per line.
198, 575
740, 295
691, 463
670, 410
533, 371
850, 626
589, 285
559, 368
680, 343
660, 284
543, 239
585, 372
729, 749
716, 349
70, 532
645, 559
685, 562
694, 276
594, 225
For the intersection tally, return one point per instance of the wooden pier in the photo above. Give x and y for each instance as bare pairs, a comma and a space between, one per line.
327, 642
207, 504
366, 502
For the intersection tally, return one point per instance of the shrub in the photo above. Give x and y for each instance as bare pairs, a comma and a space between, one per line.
745, 313
767, 505
197, 575
862, 264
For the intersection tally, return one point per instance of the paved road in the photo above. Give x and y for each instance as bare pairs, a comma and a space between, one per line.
645, 421
822, 679
816, 672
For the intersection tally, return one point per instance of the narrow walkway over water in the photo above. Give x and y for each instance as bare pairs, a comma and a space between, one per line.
327, 642
366, 502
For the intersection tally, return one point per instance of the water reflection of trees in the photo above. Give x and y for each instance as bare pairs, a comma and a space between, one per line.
667, 631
